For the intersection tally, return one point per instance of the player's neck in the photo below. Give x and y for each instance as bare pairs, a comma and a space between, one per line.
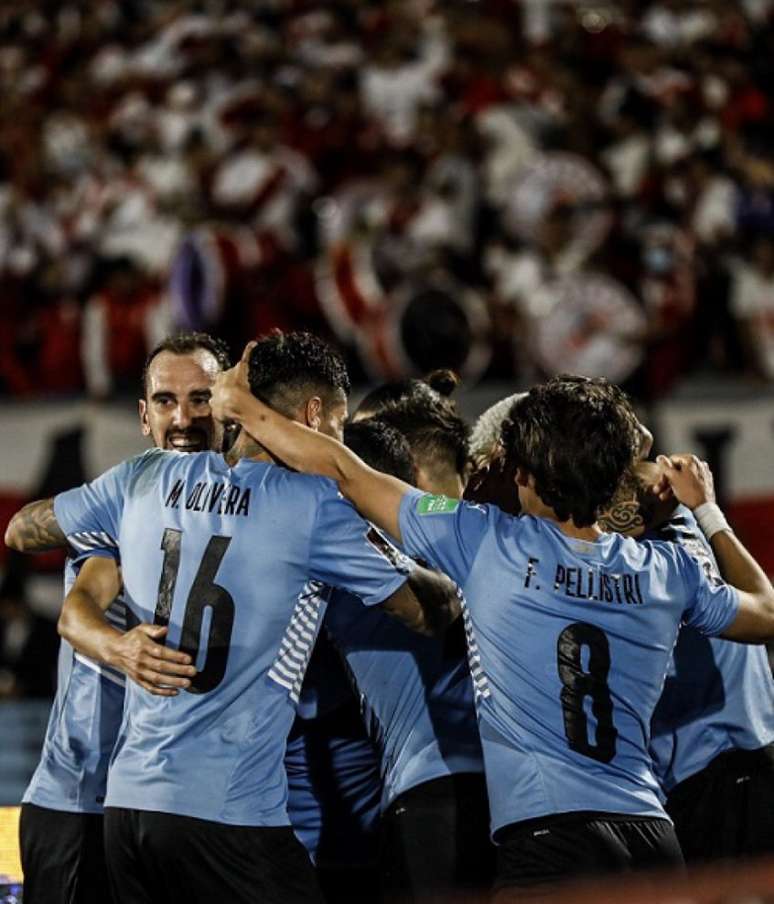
440, 483
535, 506
592, 533
246, 447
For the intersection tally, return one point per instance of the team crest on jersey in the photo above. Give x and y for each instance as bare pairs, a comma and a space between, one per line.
437, 505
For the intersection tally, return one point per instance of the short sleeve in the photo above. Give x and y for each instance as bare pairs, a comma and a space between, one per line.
349, 553
443, 531
713, 604
90, 514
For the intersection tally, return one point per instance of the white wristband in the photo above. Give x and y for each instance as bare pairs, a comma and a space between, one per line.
711, 519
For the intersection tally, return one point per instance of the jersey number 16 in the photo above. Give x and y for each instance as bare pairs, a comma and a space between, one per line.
205, 594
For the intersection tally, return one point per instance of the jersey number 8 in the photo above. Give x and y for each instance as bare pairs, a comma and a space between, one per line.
579, 684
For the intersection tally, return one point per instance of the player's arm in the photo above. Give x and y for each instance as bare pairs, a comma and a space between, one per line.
34, 528
427, 603
377, 496
137, 653
691, 482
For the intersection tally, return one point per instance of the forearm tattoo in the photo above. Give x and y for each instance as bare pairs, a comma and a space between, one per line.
35, 527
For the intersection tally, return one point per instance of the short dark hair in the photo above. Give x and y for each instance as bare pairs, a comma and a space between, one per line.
438, 383
576, 436
382, 447
184, 344
284, 365
436, 433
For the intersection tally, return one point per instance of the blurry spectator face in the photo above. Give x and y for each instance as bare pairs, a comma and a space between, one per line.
176, 409
556, 229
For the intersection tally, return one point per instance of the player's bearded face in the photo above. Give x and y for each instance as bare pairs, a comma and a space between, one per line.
176, 411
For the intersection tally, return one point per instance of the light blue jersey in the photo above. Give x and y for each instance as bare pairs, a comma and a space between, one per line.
718, 695
415, 692
228, 558
569, 642
82, 727
334, 784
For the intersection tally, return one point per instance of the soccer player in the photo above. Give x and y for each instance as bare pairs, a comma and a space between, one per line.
417, 699
61, 843
490, 481
221, 552
438, 438
572, 628
334, 781
334, 787
713, 728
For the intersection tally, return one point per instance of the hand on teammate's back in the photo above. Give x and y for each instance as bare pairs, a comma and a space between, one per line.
141, 655
687, 478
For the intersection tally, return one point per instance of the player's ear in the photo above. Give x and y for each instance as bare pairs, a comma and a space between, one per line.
142, 407
313, 412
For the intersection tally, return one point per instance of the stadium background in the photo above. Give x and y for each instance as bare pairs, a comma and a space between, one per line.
508, 187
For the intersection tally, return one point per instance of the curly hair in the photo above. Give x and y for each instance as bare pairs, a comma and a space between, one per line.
184, 344
382, 447
576, 436
284, 366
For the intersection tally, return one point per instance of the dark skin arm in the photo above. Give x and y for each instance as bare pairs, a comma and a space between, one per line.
426, 603
34, 528
138, 653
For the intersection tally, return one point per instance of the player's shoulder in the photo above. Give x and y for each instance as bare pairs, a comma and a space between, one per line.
140, 467
150, 466
435, 505
275, 478
664, 553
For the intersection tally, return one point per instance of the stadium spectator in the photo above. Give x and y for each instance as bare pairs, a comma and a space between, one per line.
404, 130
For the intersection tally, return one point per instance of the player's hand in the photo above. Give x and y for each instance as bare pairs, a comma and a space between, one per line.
228, 386
140, 655
688, 478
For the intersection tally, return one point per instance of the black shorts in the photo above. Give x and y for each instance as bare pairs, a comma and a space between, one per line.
158, 858
572, 845
63, 857
435, 843
727, 809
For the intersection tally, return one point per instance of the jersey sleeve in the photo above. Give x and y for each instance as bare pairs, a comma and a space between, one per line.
713, 604
349, 553
90, 514
443, 531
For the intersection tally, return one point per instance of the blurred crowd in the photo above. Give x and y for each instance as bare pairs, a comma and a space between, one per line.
503, 186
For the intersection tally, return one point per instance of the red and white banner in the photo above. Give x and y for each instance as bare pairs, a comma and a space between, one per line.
736, 437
